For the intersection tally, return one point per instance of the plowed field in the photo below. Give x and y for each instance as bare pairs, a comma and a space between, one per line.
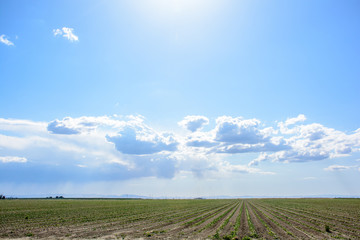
181, 219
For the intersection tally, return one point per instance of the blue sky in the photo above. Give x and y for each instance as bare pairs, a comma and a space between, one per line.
180, 98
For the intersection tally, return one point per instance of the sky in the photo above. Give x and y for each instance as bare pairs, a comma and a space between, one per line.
180, 98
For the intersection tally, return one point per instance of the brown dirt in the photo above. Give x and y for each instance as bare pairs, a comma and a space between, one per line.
345, 230
259, 227
211, 231
280, 233
174, 229
301, 224
134, 229
244, 226
230, 226
193, 230
94, 229
295, 231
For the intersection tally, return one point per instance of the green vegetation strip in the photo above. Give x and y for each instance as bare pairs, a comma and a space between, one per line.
236, 225
319, 219
319, 223
253, 233
228, 218
181, 217
199, 220
271, 233
39, 216
307, 218
286, 219
217, 219
274, 221
80, 218
336, 210
237, 222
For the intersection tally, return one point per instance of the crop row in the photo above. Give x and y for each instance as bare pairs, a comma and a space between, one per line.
202, 219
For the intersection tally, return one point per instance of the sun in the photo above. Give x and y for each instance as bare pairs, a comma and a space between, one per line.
177, 10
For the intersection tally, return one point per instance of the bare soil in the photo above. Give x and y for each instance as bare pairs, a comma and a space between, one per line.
244, 226
260, 229
295, 231
288, 221
230, 225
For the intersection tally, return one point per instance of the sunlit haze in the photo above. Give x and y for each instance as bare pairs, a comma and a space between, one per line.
179, 99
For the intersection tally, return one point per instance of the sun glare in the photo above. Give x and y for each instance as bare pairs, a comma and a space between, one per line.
177, 10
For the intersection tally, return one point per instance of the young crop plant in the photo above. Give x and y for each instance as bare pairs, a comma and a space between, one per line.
330, 217
274, 221
217, 219
228, 218
216, 235
199, 220
307, 219
97, 218
232, 235
238, 220
286, 219
271, 233
253, 233
320, 217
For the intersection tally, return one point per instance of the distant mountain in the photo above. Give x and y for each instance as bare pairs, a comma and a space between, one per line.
133, 196
76, 196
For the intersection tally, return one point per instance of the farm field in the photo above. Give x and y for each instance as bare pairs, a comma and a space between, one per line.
181, 219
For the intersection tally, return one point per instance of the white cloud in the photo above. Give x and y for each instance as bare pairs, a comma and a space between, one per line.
60, 127
129, 137
5, 40
32, 140
337, 168
309, 178
300, 143
299, 118
259, 147
82, 125
22, 126
237, 135
12, 159
67, 33
201, 139
57, 32
283, 126
134, 140
245, 169
313, 142
123, 147
194, 123
239, 130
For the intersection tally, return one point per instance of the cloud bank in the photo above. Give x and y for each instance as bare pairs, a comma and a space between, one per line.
124, 147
